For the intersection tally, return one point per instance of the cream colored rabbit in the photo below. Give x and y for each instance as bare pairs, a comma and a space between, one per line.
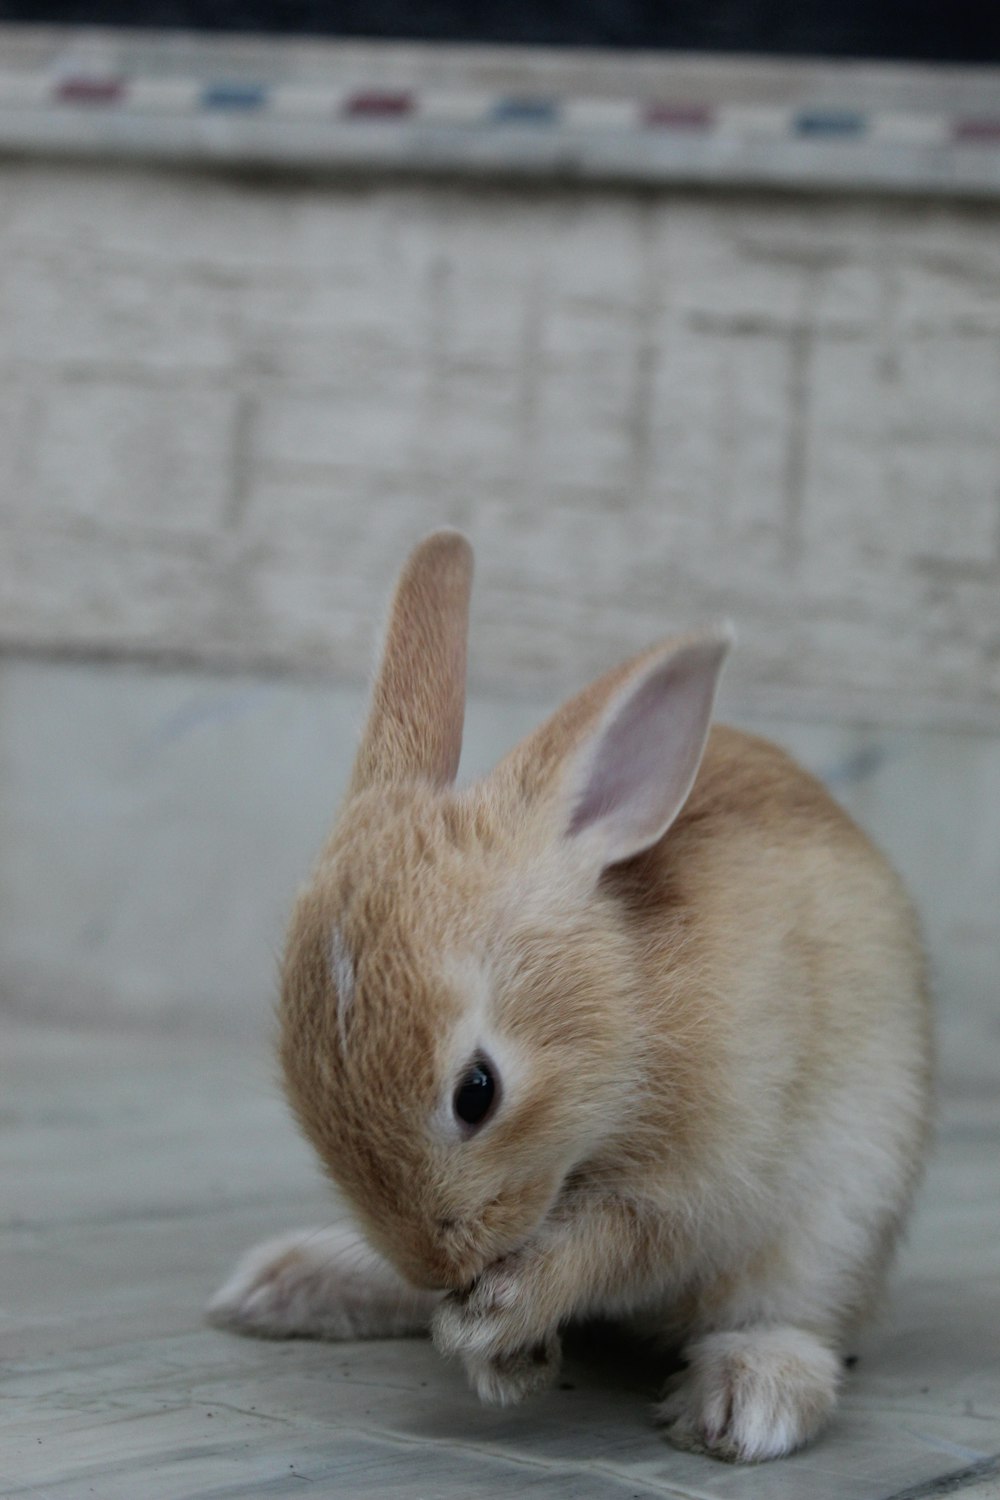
635, 1026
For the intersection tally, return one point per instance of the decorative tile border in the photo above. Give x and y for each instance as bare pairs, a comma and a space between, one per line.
85, 91
87, 106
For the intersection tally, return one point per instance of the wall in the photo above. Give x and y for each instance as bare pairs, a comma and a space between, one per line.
155, 826
228, 403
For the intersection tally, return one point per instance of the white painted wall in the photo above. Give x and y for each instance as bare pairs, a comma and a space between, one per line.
154, 828
229, 403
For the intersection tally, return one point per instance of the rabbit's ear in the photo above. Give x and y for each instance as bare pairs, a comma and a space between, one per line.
417, 709
629, 779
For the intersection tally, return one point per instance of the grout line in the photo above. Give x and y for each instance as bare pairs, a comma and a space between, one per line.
631, 1479
753, 703
951, 1483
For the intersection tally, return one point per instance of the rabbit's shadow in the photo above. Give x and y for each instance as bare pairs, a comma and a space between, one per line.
610, 1357
609, 1376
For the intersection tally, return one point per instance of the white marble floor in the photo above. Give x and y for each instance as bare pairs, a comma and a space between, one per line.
135, 1165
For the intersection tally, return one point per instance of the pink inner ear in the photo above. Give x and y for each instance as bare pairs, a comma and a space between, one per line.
644, 758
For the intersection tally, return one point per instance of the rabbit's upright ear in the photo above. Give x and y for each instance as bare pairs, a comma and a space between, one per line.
417, 709
628, 780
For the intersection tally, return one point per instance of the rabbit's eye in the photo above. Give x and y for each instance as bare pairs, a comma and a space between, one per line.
475, 1095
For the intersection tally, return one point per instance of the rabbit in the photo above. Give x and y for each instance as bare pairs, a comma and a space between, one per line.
635, 1027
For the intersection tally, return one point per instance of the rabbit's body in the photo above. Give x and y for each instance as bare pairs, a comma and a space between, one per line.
711, 1048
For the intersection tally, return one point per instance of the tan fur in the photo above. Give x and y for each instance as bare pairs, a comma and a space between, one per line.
415, 716
715, 1054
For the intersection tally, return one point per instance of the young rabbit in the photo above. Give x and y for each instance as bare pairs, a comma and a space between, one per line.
635, 1026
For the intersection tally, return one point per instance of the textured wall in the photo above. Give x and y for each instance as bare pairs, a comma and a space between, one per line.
227, 406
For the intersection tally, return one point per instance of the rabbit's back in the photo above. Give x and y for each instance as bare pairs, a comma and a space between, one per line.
784, 1012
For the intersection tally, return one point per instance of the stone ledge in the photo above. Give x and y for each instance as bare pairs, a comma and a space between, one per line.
500, 112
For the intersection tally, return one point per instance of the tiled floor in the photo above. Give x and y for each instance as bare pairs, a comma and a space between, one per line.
135, 1167
137, 1162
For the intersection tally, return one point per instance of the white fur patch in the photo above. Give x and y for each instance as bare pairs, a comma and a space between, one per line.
475, 1031
319, 1283
753, 1394
342, 969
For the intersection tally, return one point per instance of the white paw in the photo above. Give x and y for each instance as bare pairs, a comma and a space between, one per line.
510, 1378
320, 1283
497, 1317
501, 1331
751, 1395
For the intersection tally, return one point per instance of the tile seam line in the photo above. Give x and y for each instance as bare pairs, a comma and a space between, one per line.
524, 1460
135, 1216
951, 1482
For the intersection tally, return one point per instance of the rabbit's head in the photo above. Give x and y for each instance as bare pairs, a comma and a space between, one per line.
458, 1032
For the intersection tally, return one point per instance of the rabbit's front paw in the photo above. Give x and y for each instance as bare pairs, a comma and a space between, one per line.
752, 1395
509, 1378
501, 1314
503, 1329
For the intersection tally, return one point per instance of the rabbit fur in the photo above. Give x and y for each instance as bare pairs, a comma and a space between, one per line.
700, 992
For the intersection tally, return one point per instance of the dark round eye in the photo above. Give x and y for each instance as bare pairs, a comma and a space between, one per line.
475, 1094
